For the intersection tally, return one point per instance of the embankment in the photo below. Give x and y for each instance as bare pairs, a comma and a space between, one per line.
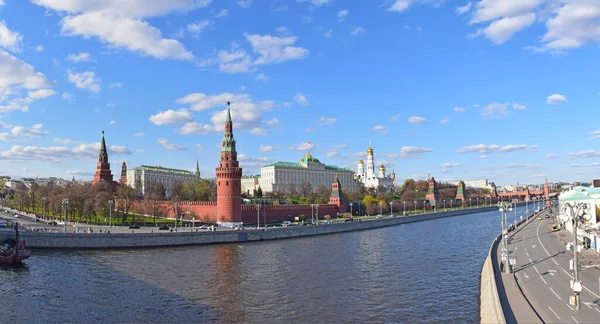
139, 240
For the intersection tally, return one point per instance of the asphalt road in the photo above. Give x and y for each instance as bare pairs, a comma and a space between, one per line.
542, 270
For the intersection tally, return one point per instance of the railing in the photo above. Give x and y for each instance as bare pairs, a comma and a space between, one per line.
490, 308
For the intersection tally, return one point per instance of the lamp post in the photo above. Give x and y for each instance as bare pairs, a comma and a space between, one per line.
574, 213
444, 204
515, 207
110, 205
351, 215
312, 213
404, 204
504, 207
189, 212
477, 202
65, 204
469, 202
415, 207
175, 205
258, 216
381, 208
451, 201
317, 214
526, 207
391, 208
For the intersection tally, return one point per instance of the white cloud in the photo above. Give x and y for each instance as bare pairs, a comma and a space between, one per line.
261, 77
523, 166
516, 106
244, 3
39, 48
417, 120
395, 117
488, 10
494, 110
222, 14
194, 28
575, 23
273, 49
445, 120
504, 29
20, 74
464, 9
310, 129
303, 146
139, 134
595, 135
196, 128
259, 131
112, 122
327, 120
482, 157
328, 33
342, 14
380, 129
118, 31
115, 85
399, 5
68, 97
10, 40
80, 173
35, 131
268, 148
307, 19
357, 31
317, 3
62, 141
56, 154
410, 152
450, 165
170, 146
482, 148
172, 117
301, 99
85, 80
81, 57
584, 154
244, 157
550, 156
340, 146
556, 99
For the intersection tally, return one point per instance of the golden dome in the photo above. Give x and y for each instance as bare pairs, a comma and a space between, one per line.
382, 168
370, 151
361, 162
308, 156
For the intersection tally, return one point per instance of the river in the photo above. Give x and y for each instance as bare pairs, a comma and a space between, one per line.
424, 272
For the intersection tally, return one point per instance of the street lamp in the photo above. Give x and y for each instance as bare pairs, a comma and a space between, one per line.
575, 213
404, 204
391, 208
110, 207
444, 204
65, 204
317, 215
257, 216
351, 215
504, 207
415, 207
381, 208
469, 202
477, 202
175, 205
451, 201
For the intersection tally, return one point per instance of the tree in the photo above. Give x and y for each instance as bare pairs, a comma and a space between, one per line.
125, 197
409, 196
176, 190
370, 203
305, 188
409, 184
422, 186
259, 192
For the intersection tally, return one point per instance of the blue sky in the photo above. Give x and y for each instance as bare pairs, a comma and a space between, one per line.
503, 90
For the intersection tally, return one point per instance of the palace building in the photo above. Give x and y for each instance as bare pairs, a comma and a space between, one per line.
143, 175
369, 178
282, 176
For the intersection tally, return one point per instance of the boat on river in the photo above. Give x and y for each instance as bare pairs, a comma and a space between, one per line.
13, 252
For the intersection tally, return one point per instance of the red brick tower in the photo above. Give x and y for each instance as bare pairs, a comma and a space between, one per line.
433, 193
103, 167
547, 193
229, 177
123, 178
337, 198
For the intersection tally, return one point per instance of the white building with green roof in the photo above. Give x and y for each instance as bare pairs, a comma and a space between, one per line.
289, 176
144, 175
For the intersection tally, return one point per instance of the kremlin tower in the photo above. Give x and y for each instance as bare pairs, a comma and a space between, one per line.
229, 176
103, 167
123, 178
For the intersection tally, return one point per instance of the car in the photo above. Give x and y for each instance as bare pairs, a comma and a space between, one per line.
286, 223
52, 223
164, 228
17, 216
555, 228
349, 220
134, 227
539, 218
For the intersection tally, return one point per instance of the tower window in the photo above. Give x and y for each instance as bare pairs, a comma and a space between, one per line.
227, 183
219, 183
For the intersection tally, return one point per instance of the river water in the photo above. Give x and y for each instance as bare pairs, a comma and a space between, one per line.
425, 272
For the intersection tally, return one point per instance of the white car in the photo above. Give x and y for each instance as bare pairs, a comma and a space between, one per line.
60, 223
286, 223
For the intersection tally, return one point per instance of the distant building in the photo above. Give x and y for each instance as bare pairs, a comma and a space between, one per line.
483, 183
103, 167
140, 177
369, 178
280, 176
595, 183
250, 183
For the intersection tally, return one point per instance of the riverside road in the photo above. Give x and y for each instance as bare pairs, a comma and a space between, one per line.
542, 270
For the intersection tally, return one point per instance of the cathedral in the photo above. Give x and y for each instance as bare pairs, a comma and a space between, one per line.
370, 179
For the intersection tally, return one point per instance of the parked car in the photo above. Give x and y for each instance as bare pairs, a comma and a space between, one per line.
134, 227
286, 223
164, 228
555, 228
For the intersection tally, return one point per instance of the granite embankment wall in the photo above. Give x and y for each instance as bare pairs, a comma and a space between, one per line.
490, 308
138, 240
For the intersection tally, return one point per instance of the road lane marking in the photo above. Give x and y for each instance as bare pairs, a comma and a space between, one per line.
570, 307
531, 261
525, 275
551, 272
536, 270
574, 319
543, 280
527, 254
555, 293
554, 312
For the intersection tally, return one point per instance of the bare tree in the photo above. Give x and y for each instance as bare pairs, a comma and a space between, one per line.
305, 188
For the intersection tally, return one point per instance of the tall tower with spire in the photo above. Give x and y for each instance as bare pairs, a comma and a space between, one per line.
103, 167
229, 178
547, 193
123, 178
197, 173
370, 163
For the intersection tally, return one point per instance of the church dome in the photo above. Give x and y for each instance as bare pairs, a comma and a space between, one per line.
370, 151
382, 168
361, 162
309, 158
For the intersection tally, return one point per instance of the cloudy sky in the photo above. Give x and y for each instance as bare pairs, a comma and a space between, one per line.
496, 89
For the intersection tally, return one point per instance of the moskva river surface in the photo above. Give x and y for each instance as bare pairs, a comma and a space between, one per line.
425, 272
